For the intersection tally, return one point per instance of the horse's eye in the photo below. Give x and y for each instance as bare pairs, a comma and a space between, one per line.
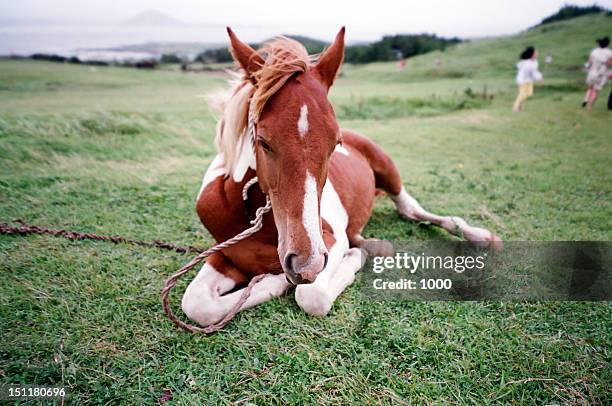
264, 145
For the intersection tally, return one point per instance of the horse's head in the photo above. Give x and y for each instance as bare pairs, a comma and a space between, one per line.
295, 135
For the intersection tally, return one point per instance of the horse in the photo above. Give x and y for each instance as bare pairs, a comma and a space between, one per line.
277, 125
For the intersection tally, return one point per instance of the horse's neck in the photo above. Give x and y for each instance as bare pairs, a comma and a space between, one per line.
244, 210
235, 193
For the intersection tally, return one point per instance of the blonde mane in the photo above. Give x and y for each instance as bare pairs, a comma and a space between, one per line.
283, 57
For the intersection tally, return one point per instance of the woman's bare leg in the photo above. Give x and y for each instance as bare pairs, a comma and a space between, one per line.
587, 96
592, 98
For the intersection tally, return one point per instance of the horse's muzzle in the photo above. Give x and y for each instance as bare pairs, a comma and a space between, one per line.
303, 273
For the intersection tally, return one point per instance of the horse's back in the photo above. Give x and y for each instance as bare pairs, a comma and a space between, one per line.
386, 175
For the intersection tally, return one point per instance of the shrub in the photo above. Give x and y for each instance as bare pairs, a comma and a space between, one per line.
170, 58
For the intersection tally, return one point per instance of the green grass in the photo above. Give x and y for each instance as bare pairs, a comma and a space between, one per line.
381, 107
119, 151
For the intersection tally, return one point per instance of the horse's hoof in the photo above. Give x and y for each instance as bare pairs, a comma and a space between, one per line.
496, 243
378, 248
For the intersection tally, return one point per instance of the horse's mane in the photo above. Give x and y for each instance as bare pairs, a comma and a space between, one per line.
283, 57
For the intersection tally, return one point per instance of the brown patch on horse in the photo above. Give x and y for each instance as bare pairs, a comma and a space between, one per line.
385, 172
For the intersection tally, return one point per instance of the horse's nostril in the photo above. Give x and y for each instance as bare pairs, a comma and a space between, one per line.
288, 263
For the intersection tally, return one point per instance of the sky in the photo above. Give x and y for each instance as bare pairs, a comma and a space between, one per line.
365, 21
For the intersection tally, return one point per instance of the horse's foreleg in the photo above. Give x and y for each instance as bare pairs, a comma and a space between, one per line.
206, 300
409, 208
318, 297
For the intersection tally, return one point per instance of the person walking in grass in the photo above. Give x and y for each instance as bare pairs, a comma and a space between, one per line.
599, 61
527, 74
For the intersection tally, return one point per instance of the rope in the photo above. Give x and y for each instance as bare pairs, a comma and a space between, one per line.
29, 229
245, 189
257, 224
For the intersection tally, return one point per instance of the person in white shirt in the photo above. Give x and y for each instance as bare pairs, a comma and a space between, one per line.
527, 74
597, 75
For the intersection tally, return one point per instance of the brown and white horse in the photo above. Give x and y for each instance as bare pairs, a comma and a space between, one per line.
321, 181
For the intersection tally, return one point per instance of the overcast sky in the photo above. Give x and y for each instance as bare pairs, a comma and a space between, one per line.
365, 20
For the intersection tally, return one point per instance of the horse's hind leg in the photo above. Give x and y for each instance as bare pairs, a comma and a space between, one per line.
410, 208
388, 179
206, 300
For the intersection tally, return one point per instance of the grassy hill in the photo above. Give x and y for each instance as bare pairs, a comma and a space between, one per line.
569, 42
121, 151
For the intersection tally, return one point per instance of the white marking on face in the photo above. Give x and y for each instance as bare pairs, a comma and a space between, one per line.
339, 148
317, 298
302, 123
310, 215
245, 160
334, 213
215, 169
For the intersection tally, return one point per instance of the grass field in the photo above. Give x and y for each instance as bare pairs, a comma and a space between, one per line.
119, 151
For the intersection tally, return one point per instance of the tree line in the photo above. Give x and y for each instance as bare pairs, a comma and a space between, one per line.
568, 12
389, 48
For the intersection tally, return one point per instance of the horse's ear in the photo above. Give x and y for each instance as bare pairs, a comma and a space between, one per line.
246, 56
330, 60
